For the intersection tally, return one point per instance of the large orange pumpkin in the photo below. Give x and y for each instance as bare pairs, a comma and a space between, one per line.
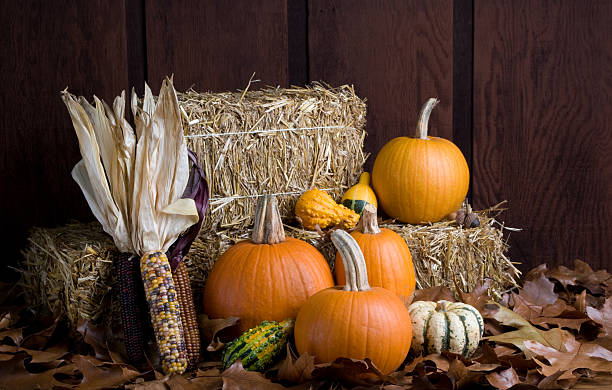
266, 278
387, 256
420, 179
356, 321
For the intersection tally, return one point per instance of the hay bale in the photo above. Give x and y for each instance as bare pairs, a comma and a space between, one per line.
68, 270
447, 254
280, 141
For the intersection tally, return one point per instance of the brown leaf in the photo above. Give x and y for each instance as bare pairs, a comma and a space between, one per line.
39, 340
101, 377
441, 361
480, 367
296, 370
350, 371
535, 273
15, 334
479, 296
580, 303
237, 378
503, 380
539, 291
461, 376
582, 275
602, 316
436, 293
564, 275
94, 335
571, 356
14, 375
553, 382
210, 328
525, 331
524, 308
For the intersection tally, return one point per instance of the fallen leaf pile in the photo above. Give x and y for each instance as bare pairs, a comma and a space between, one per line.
555, 332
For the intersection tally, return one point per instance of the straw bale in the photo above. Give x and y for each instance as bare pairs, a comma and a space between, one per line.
281, 141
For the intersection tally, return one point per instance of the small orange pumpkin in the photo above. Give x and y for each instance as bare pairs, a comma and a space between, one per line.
356, 321
420, 179
266, 278
387, 256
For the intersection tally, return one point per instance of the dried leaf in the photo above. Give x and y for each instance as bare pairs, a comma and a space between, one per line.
539, 291
210, 328
296, 370
478, 297
461, 376
526, 331
571, 356
436, 293
94, 335
350, 371
553, 382
15, 334
504, 379
237, 378
14, 375
602, 316
101, 377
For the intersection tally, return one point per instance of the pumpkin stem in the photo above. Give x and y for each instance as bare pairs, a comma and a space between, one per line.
354, 262
423, 123
364, 178
369, 222
441, 305
268, 227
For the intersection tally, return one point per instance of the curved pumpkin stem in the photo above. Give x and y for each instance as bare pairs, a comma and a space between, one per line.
423, 123
369, 220
268, 227
354, 262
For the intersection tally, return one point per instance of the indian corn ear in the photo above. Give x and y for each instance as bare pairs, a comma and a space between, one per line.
189, 320
131, 299
165, 311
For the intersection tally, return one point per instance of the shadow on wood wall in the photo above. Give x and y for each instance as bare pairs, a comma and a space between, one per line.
525, 87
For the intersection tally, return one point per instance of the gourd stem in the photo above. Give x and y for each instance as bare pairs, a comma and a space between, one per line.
268, 226
369, 222
423, 123
364, 178
354, 262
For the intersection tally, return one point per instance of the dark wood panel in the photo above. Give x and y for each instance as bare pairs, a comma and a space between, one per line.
396, 53
542, 129
216, 45
46, 48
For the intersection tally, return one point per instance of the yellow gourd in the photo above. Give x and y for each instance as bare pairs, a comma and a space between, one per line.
360, 195
316, 207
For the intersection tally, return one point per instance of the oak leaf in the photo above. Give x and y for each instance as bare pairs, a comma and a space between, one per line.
237, 378
571, 356
296, 370
503, 380
602, 316
210, 328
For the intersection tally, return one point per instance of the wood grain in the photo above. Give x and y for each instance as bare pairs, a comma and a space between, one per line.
216, 45
396, 53
542, 129
46, 48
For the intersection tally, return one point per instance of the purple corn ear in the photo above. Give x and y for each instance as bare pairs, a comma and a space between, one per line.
197, 189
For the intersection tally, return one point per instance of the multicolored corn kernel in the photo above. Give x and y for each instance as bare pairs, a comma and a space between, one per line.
259, 347
191, 332
165, 311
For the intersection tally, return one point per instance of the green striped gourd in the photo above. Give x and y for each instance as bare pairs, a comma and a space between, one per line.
259, 347
360, 195
445, 326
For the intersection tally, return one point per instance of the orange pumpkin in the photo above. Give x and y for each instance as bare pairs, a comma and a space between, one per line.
420, 179
266, 278
356, 321
387, 256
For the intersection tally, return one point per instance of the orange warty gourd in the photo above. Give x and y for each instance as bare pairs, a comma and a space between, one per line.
266, 278
356, 321
420, 179
387, 256
315, 207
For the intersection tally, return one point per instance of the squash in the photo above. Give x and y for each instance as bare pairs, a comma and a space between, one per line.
357, 321
259, 347
360, 195
266, 278
387, 257
315, 207
420, 179
445, 326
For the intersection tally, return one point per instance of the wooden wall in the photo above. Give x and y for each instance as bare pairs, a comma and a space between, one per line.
526, 92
